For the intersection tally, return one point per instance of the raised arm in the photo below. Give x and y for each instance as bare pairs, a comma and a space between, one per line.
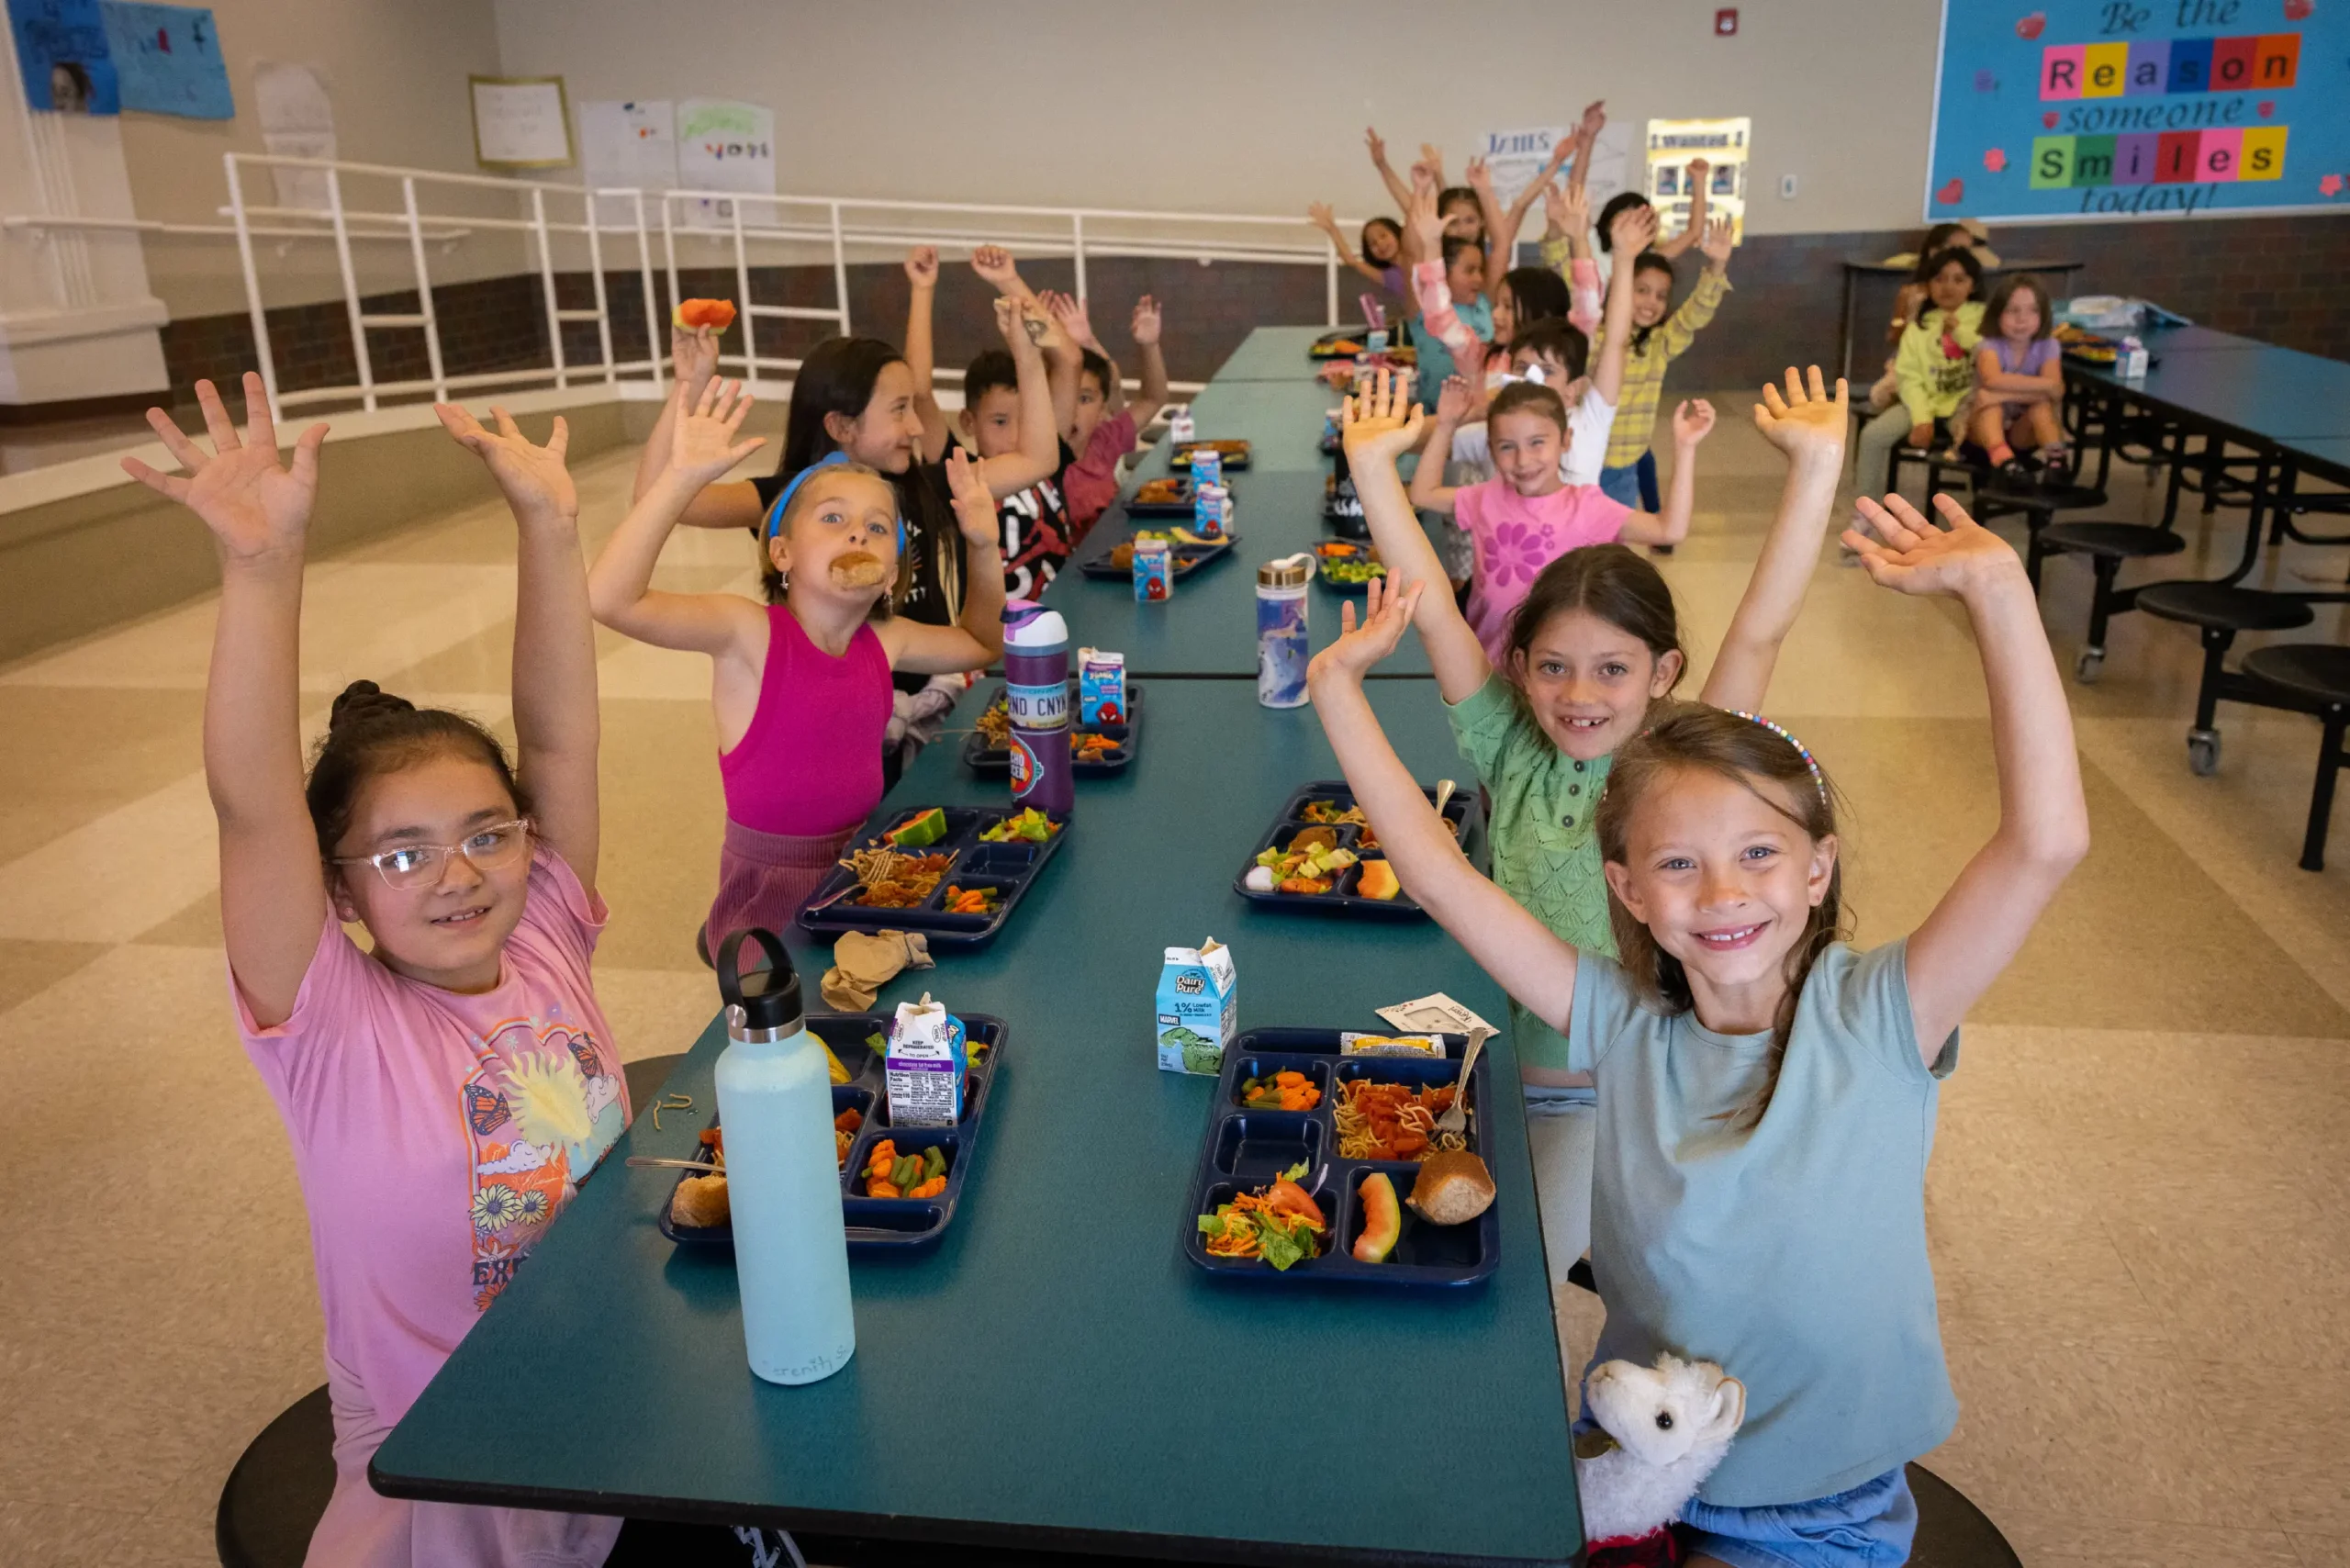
1073, 318
977, 640
1504, 227
1671, 249
273, 879
1064, 357
1146, 327
1375, 427
693, 360
1508, 943
1808, 426
1980, 925
619, 585
1691, 422
1010, 472
1319, 214
557, 731
995, 263
921, 302
1490, 213
1634, 228
1679, 329
1429, 491
1436, 312
1396, 186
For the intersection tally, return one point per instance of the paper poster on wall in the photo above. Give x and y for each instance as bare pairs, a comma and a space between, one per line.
168, 60
631, 144
2077, 109
62, 54
1515, 157
725, 146
296, 121
520, 122
1674, 145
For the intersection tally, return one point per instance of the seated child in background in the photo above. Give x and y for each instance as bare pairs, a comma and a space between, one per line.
1524, 295
1526, 518
1906, 300
1934, 367
1670, 250
1106, 424
1630, 472
1463, 287
1381, 258
799, 686
446, 1093
1037, 534
2020, 380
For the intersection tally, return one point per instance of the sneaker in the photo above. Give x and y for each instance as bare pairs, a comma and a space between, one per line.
1660, 549
2057, 464
2017, 471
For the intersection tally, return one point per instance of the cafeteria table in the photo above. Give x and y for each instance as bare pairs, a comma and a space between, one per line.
1270, 353
1055, 1376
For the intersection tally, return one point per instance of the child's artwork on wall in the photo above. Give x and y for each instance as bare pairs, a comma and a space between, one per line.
1674, 145
520, 122
631, 144
2097, 108
725, 146
168, 60
62, 54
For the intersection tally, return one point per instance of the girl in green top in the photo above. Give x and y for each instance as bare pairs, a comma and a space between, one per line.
1595, 641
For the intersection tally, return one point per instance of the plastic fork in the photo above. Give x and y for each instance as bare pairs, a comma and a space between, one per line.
1456, 1119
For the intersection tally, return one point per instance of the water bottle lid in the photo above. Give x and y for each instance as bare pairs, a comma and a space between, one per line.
1027, 626
767, 1000
1290, 571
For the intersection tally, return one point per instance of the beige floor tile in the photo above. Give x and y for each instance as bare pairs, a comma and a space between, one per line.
2289, 1426
40, 1534
28, 967
105, 880
2322, 1550
641, 670
660, 776
196, 926
74, 755
2115, 1543
656, 1012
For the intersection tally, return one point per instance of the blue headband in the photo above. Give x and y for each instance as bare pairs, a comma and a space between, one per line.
773, 523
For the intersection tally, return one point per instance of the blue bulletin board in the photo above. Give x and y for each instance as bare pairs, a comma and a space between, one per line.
2082, 109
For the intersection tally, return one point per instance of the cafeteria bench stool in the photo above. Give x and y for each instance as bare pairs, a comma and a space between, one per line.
2220, 610
279, 1488
1951, 1531
1998, 495
2305, 677
2108, 546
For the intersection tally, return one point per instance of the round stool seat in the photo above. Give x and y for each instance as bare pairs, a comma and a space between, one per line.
279, 1489
2030, 496
2118, 540
1951, 1531
2224, 607
2319, 672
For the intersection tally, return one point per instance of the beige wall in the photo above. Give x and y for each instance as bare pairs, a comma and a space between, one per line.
1257, 105
396, 72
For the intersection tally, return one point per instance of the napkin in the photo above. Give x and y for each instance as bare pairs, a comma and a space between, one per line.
862, 965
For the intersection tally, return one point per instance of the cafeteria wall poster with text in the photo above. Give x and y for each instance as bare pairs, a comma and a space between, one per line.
2122, 109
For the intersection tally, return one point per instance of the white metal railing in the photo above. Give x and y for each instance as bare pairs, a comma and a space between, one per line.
809, 230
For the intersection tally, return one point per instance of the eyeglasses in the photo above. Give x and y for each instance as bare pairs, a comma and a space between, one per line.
418, 865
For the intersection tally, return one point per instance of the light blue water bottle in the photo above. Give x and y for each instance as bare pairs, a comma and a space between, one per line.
1282, 647
783, 1183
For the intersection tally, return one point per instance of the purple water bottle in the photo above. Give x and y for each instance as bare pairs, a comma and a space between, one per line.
1036, 674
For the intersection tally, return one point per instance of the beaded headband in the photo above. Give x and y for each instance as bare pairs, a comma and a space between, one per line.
1817, 782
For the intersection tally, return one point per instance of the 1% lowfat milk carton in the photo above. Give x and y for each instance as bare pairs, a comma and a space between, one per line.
1198, 1008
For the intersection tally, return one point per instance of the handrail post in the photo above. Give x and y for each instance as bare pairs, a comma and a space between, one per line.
253, 285
840, 270
603, 304
1076, 248
424, 290
742, 288
645, 276
351, 290
546, 283
1330, 270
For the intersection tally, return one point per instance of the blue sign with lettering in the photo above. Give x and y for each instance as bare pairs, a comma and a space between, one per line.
168, 60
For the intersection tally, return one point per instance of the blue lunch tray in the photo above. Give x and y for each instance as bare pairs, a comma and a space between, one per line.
879, 1224
1245, 1150
981, 758
1182, 559
1009, 867
1462, 812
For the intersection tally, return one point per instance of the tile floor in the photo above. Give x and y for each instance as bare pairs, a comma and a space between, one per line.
2139, 1202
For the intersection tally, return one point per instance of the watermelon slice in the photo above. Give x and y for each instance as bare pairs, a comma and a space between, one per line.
716, 314
927, 828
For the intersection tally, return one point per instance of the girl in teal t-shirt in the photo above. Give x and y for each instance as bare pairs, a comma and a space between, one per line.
1767, 1093
1594, 642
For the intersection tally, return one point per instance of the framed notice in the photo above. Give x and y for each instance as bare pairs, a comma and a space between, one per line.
1676, 148
520, 122
2121, 108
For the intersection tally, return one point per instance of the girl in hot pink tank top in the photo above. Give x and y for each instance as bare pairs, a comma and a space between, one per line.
800, 685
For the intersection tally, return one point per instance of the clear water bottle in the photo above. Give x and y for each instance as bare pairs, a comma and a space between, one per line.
1282, 647
1035, 698
783, 1183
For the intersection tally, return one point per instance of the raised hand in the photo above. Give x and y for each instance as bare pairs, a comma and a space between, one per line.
1595, 118
1371, 138
693, 357
1716, 243
1318, 214
1452, 401
1146, 324
975, 513
922, 266
1568, 212
1698, 170
994, 264
1422, 220
702, 444
1382, 420
1634, 230
1066, 311
1693, 421
1807, 424
253, 505
1477, 176
534, 479
1387, 607
1432, 159
1911, 555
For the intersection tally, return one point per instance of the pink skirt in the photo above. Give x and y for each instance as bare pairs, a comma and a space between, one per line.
764, 878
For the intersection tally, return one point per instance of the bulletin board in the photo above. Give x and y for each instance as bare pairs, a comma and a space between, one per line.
2087, 109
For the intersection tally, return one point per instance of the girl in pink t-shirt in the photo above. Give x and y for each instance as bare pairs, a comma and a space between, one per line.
800, 683
446, 1093
1526, 516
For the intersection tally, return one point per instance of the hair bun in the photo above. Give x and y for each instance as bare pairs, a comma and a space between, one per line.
362, 700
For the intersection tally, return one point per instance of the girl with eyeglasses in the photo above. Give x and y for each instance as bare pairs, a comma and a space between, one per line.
446, 1091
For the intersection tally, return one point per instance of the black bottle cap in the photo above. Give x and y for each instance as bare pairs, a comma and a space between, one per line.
768, 998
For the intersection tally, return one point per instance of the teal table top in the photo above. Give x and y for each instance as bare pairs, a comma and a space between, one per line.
2263, 395
1273, 353
1054, 1374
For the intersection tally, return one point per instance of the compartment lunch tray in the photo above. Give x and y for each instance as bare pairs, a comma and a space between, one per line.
1244, 1149
1179, 456
990, 761
1180, 507
1462, 812
1185, 559
1331, 552
879, 1224
1009, 867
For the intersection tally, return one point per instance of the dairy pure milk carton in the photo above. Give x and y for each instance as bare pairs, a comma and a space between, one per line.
1198, 1008
925, 1065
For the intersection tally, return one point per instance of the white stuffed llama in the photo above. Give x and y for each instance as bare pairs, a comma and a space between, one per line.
1666, 1427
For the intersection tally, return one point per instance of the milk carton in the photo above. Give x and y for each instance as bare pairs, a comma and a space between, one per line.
1198, 1008
1211, 509
1101, 687
1180, 428
1207, 467
925, 1065
1154, 571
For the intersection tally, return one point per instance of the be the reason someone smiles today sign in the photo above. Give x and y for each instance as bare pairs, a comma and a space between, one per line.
2092, 108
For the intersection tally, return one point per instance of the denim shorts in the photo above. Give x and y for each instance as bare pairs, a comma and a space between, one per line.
1869, 1527
1621, 486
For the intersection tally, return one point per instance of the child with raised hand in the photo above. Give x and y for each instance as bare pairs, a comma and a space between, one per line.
1630, 472
1766, 1091
1933, 367
1451, 280
1107, 423
446, 1093
2020, 380
799, 686
1592, 645
1381, 258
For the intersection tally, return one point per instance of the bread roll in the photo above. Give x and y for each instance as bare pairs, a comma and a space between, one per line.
1453, 1188
700, 1202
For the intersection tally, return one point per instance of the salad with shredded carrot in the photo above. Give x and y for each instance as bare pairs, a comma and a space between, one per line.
1279, 1224
1280, 1092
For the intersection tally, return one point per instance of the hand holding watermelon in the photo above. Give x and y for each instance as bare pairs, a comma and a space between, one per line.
695, 326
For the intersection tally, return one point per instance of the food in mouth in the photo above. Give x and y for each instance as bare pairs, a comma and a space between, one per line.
858, 569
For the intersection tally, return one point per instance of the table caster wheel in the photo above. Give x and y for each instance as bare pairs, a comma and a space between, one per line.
2086, 667
2203, 752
